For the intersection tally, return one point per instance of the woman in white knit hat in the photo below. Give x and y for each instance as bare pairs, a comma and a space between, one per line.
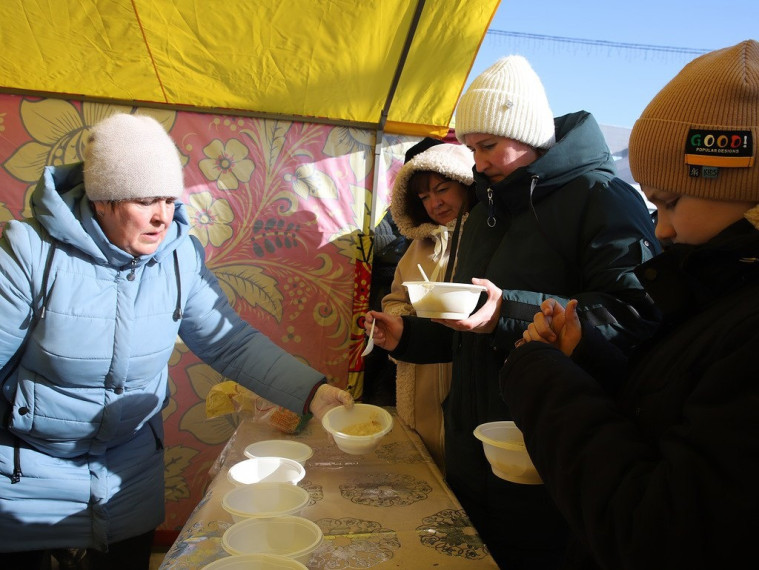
108, 276
664, 473
432, 188
551, 220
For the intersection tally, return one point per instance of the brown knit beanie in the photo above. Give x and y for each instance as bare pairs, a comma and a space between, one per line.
698, 135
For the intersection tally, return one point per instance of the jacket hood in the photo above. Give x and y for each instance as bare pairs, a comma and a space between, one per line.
60, 204
580, 150
453, 161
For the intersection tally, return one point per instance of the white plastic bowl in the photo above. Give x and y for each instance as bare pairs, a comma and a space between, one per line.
255, 562
441, 300
294, 537
288, 448
504, 448
338, 419
258, 469
265, 499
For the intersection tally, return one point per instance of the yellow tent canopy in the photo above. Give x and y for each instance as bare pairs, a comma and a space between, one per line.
394, 65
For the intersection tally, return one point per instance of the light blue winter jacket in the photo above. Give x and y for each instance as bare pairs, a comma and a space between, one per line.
84, 406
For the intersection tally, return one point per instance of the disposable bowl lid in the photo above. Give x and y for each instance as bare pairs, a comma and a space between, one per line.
480, 432
259, 525
234, 472
447, 285
301, 495
257, 561
287, 448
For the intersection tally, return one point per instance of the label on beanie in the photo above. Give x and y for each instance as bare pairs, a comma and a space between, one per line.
707, 147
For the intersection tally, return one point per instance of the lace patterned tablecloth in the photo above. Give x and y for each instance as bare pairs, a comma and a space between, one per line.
388, 509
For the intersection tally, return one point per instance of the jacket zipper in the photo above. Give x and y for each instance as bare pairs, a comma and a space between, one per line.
133, 267
491, 209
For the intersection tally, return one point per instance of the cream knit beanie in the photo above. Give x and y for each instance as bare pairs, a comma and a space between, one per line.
698, 135
507, 100
131, 157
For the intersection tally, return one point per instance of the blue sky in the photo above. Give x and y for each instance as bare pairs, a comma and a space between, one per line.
612, 82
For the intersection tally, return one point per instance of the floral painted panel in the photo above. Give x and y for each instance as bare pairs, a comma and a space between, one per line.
283, 211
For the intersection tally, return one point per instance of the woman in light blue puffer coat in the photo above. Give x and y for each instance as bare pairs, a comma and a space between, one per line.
109, 267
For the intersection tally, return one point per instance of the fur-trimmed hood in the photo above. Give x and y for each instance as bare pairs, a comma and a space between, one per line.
453, 161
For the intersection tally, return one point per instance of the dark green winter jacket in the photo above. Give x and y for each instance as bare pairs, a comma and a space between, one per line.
562, 227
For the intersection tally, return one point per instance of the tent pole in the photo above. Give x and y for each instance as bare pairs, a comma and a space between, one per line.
385, 110
375, 180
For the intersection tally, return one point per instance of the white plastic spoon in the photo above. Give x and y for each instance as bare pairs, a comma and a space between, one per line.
428, 286
370, 342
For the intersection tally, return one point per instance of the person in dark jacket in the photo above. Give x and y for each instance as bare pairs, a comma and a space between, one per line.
552, 219
662, 472
379, 370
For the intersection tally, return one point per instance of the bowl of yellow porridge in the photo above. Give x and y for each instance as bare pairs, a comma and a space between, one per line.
358, 430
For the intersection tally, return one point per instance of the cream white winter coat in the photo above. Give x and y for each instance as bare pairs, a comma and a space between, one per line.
421, 388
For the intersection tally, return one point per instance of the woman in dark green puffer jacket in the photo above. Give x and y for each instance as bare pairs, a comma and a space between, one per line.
552, 220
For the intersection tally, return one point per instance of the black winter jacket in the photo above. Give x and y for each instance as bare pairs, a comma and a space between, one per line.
664, 474
561, 227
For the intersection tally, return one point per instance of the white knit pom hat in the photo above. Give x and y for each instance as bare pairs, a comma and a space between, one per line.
508, 100
130, 157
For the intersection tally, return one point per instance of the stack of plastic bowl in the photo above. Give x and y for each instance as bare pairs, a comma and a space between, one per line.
264, 505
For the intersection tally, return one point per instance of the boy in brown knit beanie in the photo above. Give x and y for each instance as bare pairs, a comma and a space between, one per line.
662, 473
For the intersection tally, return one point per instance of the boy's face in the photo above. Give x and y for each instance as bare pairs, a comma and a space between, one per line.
690, 220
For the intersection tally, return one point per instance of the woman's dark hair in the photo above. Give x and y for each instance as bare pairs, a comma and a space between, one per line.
420, 182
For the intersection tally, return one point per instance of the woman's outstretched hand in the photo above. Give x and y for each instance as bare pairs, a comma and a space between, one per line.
328, 397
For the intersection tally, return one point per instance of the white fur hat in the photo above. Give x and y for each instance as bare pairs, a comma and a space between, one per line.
508, 100
130, 157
